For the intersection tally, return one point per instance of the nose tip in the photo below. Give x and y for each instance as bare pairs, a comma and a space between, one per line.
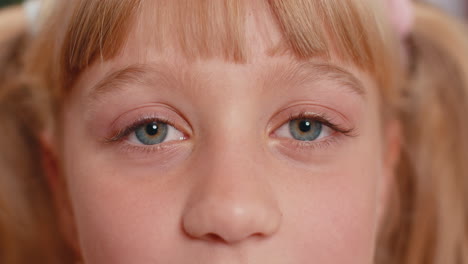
231, 222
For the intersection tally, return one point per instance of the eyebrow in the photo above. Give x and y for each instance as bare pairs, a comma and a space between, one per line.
309, 72
148, 75
135, 74
342, 76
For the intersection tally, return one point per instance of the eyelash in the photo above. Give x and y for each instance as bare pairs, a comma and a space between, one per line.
324, 120
125, 132
320, 144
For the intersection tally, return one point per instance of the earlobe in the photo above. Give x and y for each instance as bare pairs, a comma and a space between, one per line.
49, 161
58, 189
392, 152
393, 138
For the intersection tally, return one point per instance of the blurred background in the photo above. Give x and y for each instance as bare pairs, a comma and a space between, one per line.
457, 7
9, 2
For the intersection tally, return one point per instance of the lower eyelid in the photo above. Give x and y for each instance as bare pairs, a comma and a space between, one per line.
143, 151
305, 146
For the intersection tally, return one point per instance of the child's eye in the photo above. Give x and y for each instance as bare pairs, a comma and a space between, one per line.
154, 132
304, 129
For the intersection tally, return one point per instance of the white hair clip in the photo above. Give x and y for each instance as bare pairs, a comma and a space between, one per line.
32, 9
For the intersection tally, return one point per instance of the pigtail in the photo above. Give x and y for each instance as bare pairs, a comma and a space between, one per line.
28, 231
431, 226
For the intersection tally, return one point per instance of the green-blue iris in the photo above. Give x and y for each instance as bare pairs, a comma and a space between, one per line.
152, 133
305, 129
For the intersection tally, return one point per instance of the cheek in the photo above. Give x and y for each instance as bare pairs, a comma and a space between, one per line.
332, 208
121, 216
336, 218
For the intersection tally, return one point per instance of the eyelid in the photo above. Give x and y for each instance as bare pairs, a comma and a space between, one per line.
318, 113
132, 119
127, 131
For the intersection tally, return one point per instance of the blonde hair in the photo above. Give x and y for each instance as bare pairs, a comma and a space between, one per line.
427, 217
27, 225
428, 220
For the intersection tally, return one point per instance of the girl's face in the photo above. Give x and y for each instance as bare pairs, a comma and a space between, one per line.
168, 160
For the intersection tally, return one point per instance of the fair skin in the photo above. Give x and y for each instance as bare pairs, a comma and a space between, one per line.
231, 182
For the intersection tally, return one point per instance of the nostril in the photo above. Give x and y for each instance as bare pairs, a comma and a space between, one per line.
258, 234
214, 238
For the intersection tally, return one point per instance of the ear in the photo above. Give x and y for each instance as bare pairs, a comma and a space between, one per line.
391, 157
51, 165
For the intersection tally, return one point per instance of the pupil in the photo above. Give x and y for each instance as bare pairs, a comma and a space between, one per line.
152, 129
305, 126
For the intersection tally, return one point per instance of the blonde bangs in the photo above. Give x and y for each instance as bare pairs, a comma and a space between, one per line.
347, 31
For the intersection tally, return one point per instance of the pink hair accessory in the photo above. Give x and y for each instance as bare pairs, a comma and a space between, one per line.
401, 15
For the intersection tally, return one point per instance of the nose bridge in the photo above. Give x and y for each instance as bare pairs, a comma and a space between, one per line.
232, 199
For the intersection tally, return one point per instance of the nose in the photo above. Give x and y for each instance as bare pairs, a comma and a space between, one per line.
231, 204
